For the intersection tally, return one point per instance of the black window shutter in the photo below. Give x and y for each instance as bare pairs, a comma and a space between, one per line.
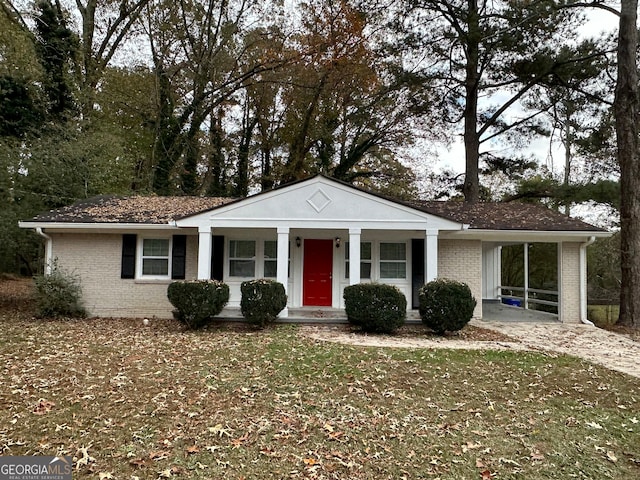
179, 257
417, 269
217, 257
128, 265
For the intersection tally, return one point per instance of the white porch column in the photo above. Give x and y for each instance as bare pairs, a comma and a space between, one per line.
431, 256
561, 273
354, 255
282, 266
204, 253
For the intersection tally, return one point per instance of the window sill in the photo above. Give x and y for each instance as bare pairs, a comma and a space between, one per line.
153, 281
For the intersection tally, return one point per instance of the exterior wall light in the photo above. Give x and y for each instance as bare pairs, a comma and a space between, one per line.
298, 242
338, 242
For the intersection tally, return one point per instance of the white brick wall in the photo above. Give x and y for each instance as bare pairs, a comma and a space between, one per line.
96, 258
570, 283
461, 260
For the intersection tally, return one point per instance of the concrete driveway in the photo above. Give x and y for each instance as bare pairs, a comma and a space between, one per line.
611, 350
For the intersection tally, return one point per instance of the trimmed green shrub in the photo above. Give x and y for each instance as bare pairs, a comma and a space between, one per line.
262, 300
58, 294
197, 301
375, 307
446, 305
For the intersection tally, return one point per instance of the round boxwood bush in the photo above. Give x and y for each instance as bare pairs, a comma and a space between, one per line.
197, 301
446, 305
375, 307
262, 300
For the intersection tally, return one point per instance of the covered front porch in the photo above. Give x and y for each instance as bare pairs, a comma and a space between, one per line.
315, 265
315, 238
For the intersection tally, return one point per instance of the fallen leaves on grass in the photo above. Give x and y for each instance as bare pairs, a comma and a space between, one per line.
229, 402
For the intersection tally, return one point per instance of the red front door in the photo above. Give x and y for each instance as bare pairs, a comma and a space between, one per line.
317, 272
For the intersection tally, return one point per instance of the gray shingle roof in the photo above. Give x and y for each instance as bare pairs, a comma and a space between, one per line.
163, 210
134, 209
506, 216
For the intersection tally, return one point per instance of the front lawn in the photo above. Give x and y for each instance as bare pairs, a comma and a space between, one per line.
129, 401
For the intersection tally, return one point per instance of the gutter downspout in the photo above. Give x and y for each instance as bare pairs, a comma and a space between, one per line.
48, 250
583, 281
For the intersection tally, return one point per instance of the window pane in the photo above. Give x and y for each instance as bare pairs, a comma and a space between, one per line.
242, 249
365, 270
393, 270
155, 266
155, 247
393, 251
270, 249
270, 269
365, 260
241, 268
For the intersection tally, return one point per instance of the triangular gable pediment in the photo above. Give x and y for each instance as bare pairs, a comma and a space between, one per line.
318, 202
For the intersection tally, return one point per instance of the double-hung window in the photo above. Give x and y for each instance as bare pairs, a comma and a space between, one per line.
365, 260
393, 260
155, 257
242, 258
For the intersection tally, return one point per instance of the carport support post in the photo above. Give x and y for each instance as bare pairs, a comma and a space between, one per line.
526, 275
354, 256
204, 253
282, 265
431, 256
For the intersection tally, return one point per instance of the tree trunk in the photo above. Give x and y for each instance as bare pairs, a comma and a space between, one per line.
241, 186
471, 187
626, 112
217, 167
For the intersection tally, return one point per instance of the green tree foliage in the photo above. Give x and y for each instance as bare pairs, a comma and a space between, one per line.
603, 273
498, 51
19, 112
56, 47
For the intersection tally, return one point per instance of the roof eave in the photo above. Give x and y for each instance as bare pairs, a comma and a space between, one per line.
98, 226
524, 235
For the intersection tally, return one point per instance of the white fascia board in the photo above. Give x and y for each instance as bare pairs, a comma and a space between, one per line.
543, 236
334, 224
103, 227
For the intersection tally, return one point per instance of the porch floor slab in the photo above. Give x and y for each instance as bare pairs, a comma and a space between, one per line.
310, 315
494, 311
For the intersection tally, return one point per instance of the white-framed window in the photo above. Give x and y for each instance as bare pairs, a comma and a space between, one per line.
365, 260
155, 257
242, 258
393, 260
